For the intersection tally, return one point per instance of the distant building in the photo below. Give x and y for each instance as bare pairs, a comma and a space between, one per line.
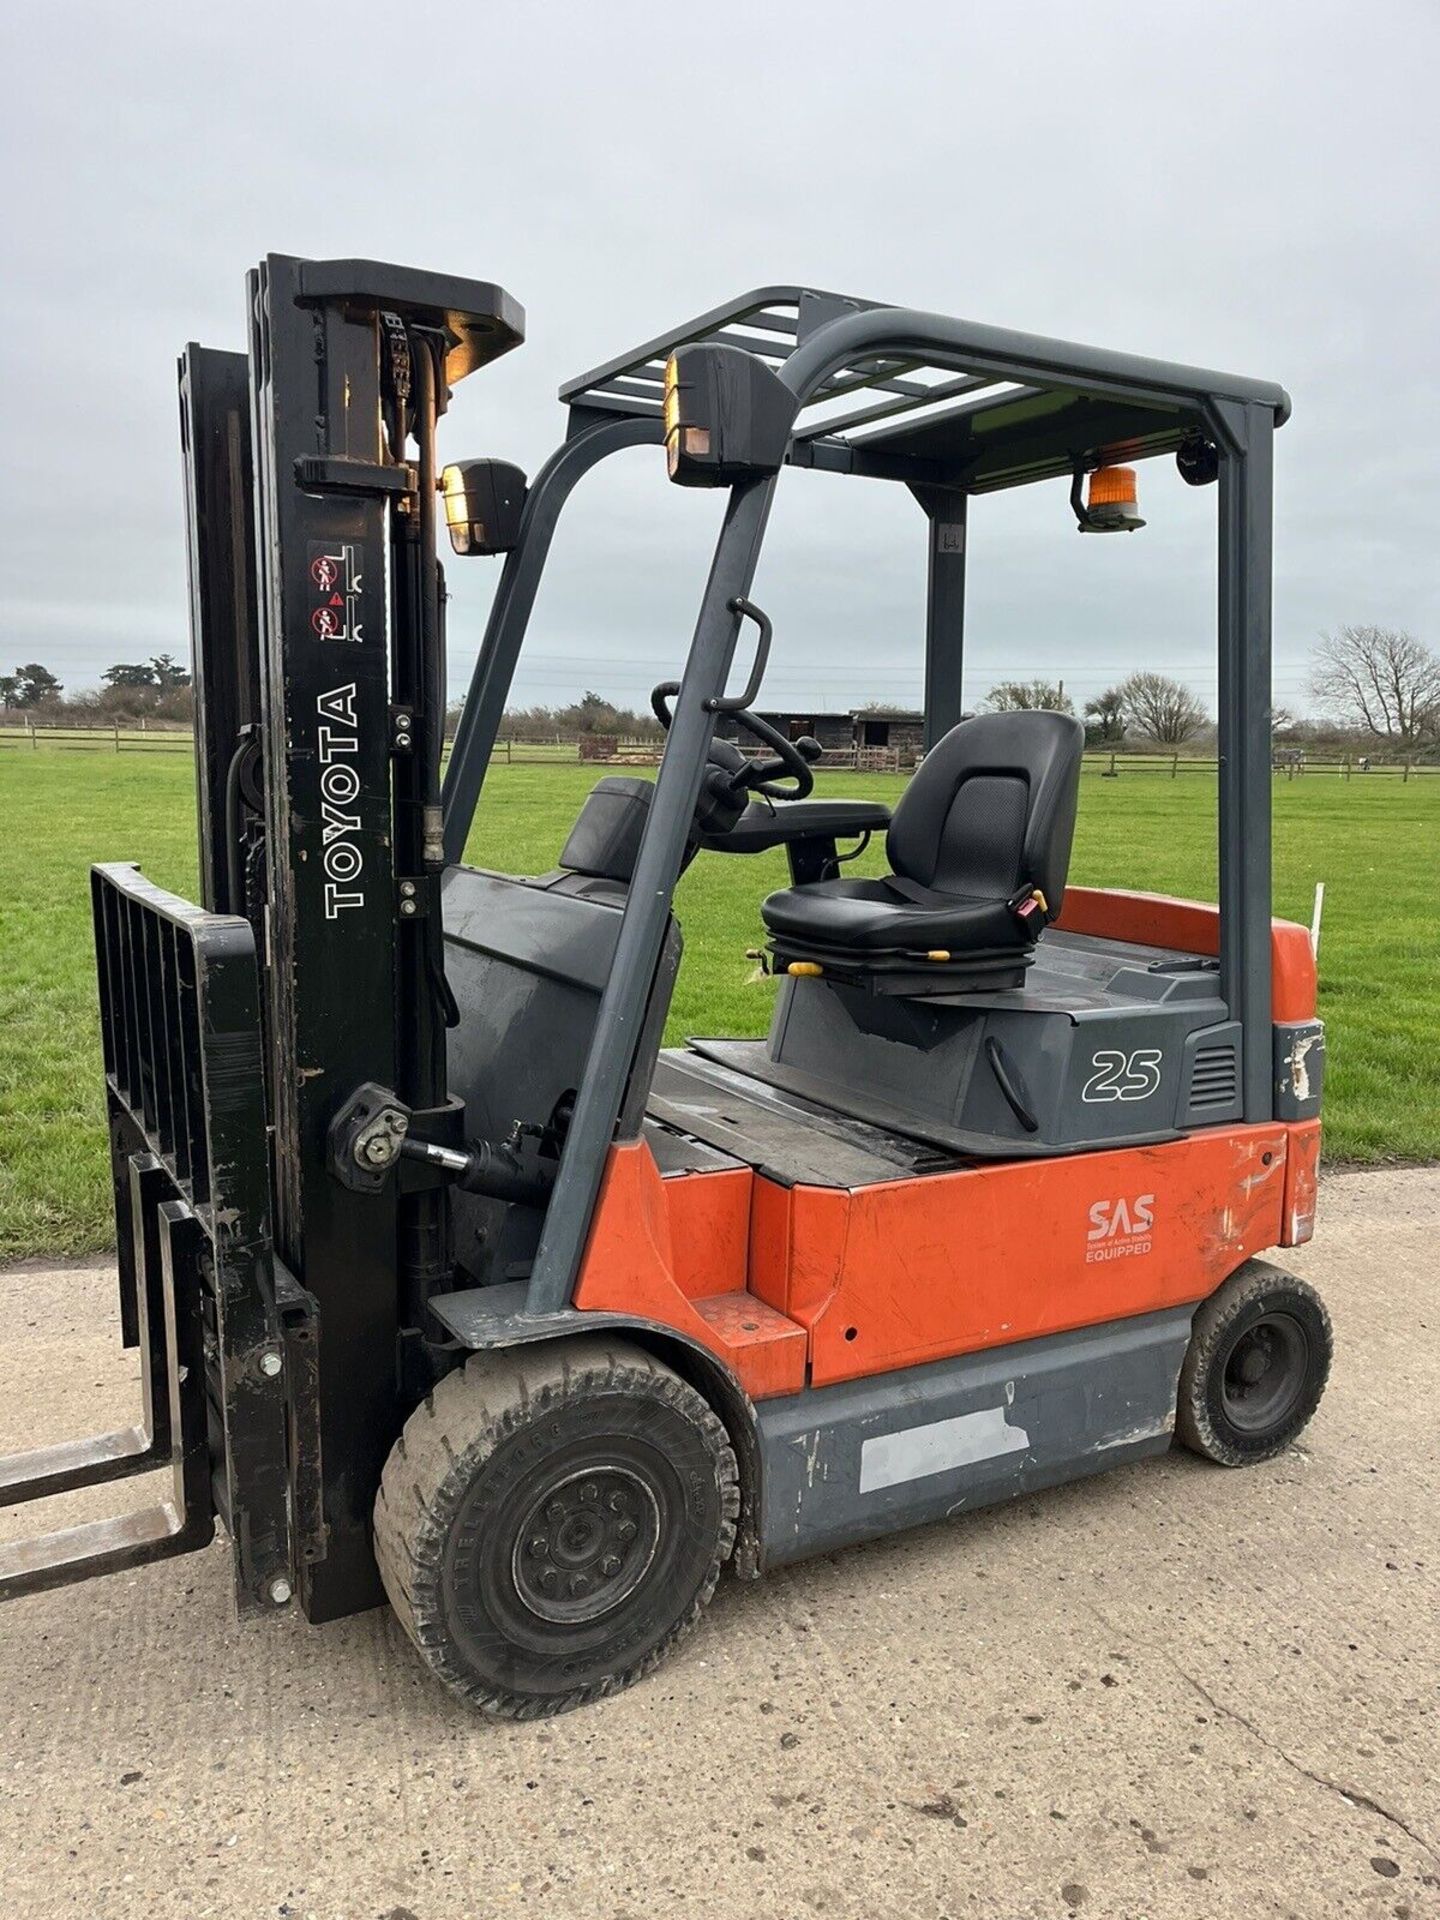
883, 736
900, 729
834, 731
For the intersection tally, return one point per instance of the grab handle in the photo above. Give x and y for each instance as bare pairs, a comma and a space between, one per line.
737, 703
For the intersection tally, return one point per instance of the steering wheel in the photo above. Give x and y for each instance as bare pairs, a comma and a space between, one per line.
789, 760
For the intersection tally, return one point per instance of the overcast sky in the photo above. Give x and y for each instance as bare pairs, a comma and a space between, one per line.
1251, 187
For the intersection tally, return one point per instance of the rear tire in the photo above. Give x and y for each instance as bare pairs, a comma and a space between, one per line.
1257, 1363
553, 1521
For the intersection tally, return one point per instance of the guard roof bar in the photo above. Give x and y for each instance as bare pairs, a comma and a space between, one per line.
1000, 354
1001, 426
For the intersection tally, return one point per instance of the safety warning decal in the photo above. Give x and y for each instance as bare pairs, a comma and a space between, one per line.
335, 591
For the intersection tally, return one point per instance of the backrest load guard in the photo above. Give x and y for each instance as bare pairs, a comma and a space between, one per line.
991, 808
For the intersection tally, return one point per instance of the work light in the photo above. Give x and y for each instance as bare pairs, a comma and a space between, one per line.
1198, 460
484, 500
727, 416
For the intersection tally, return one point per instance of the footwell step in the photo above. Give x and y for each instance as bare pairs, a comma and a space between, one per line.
774, 1347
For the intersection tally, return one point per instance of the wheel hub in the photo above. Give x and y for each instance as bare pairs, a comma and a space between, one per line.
1265, 1372
586, 1545
1254, 1364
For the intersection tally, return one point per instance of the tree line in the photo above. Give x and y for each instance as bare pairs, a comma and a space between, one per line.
1375, 689
1144, 706
131, 690
591, 713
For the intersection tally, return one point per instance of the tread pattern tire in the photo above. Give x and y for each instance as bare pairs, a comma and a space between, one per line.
494, 1405
1252, 1293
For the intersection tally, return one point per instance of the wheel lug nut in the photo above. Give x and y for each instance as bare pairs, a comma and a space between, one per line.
555, 1510
538, 1545
610, 1565
548, 1577
626, 1530
578, 1585
589, 1493
616, 1503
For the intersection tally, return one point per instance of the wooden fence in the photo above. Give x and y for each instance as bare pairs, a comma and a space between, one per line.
1284, 766
111, 739
37, 736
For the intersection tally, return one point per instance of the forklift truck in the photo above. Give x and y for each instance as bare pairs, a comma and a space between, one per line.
449, 1282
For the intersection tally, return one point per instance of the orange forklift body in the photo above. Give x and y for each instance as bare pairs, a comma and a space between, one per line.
802, 1285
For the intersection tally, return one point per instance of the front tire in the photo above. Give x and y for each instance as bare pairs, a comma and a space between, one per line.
553, 1521
1259, 1356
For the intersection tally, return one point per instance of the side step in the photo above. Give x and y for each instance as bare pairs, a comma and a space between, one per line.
167, 1310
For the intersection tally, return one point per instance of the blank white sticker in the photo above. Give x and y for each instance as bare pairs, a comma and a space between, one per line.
937, 1447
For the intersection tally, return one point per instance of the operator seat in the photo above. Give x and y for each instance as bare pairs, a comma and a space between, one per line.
984, 828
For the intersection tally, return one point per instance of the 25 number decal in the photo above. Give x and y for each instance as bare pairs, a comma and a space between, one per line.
1124, 1076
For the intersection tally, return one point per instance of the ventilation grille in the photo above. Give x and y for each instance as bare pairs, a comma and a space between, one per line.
1214, 1078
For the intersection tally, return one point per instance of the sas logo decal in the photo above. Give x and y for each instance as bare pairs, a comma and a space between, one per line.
1120, 1229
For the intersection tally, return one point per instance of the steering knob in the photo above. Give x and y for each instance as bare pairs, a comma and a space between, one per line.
809, 748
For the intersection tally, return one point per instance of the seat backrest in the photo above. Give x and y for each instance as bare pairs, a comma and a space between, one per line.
605, 839
991, 808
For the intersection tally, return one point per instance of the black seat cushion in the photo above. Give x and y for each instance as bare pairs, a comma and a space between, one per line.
989, 813
876, 916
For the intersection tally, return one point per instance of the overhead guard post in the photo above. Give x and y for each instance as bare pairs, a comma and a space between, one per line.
514, 602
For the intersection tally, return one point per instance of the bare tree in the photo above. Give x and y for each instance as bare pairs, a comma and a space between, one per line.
1020, 696
1164, 710
1381, 679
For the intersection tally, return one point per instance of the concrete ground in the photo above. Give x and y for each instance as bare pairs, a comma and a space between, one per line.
1171, 1691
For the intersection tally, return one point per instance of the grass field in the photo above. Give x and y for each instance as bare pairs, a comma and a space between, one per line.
1376, 844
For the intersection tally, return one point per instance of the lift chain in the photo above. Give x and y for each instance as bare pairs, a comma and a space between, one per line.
397, 341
